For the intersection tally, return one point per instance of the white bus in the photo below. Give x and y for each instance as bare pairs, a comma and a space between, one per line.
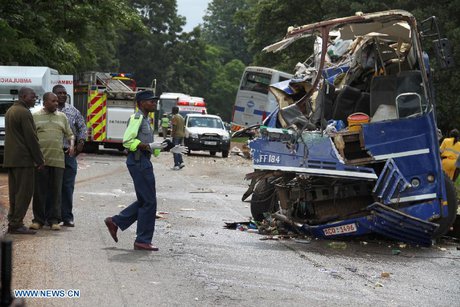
253, 101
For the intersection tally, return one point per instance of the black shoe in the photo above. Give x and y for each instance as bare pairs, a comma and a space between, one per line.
68, 224
23, 230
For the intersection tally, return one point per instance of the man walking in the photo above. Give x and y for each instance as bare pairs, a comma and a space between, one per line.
78, 126
52, 127
177, 133
165, 125
22, 153
138, 139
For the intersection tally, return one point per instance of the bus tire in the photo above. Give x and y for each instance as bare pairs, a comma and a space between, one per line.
225, 154
264, 199
446, 222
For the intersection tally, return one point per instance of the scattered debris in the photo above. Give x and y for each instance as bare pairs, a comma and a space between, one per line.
396, 251
203, 190
385, 275
302, 241
337, 245
378, 285
352, 269
121, 206
187, 209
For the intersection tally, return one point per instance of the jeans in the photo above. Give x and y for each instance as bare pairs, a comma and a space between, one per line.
68, 184
47, 195
144, 209
177, 157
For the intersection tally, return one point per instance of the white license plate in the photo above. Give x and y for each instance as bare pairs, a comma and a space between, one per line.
331, 231
210, 143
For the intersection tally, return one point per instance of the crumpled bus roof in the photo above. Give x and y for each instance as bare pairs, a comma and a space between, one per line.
392, 24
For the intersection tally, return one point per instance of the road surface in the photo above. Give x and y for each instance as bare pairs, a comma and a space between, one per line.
202, 264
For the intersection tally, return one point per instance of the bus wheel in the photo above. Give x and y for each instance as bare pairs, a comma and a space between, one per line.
446, 222
212, 153
264, 199
225, 154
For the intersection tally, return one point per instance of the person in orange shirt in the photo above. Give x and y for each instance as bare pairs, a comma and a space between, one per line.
450, 151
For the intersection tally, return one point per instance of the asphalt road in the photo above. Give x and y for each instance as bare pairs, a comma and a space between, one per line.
202, 264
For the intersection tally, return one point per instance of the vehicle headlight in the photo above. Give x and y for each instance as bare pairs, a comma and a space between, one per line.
225, 137
194, 135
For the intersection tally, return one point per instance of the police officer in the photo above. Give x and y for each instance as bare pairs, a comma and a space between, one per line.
138, 139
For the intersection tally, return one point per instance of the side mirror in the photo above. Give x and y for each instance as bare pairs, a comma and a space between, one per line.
408, 105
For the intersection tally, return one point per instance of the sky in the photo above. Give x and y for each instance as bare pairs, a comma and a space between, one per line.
193, 11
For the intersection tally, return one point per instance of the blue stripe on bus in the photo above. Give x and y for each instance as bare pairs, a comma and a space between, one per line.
256, 112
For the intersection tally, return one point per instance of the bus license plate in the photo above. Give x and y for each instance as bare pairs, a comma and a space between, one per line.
210, 143
331, 231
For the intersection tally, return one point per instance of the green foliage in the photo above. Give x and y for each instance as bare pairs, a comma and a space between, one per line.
69, 35
145, 37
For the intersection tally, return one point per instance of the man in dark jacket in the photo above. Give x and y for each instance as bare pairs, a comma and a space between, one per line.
22, 154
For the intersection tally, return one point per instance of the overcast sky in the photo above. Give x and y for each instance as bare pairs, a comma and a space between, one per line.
193, 10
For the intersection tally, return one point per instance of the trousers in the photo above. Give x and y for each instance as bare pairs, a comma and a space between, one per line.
20, 190
47, 196
68, 185
177, 157
144, 209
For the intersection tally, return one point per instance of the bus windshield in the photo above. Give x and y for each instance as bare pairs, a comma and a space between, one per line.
256, 82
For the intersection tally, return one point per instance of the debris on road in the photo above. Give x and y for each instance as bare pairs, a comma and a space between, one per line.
187, 209
396, 251
385, 275
337, 245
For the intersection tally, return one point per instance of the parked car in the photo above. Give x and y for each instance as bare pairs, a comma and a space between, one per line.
206, 132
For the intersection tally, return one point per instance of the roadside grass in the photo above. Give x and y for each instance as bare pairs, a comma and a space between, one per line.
240, 140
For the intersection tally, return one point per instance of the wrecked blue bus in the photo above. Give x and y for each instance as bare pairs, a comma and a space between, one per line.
353, 148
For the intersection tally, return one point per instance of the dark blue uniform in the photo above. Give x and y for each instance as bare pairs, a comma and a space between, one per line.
143, 210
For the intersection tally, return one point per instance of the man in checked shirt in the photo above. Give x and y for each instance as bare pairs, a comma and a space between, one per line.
78, 126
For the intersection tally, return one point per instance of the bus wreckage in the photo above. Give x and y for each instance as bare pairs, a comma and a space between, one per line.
381, 173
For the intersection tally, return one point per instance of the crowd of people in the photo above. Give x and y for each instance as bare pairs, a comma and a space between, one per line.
40, 157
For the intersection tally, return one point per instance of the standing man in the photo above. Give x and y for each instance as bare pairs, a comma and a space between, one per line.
165, 125
177, 133
78, 126
22, 154
52, 126
138, 139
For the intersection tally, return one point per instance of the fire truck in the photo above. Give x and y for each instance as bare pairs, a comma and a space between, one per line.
106, 102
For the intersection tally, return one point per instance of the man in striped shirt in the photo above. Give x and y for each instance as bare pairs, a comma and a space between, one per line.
52, 127
78, 126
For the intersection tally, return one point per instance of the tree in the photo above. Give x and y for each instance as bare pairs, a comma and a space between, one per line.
69, 35
222, 28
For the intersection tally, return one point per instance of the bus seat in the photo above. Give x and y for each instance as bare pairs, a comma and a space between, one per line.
345, 102
383, 91
364, 104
